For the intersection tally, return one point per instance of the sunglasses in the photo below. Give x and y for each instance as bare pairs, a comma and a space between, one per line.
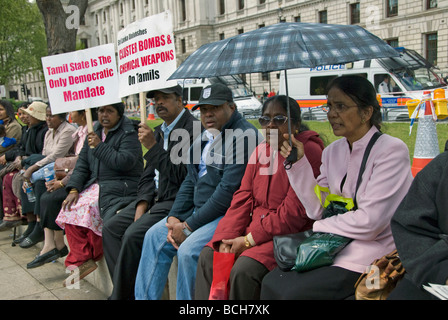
277, 120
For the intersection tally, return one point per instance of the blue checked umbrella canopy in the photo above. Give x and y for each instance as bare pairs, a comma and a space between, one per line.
284, 46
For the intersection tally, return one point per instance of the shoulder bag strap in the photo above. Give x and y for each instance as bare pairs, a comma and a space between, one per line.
364, 161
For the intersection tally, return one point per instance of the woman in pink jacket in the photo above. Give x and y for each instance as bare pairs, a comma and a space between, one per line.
354, 114
264, 206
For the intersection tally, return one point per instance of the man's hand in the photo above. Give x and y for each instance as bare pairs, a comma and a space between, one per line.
146, 136
140, 210
175, 234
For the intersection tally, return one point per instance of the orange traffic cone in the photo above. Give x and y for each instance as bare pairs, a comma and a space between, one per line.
426, 143
151, 111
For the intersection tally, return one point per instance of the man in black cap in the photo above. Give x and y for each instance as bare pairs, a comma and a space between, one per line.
123, 234
214, 174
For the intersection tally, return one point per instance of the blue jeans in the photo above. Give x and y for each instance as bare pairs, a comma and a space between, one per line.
157, 256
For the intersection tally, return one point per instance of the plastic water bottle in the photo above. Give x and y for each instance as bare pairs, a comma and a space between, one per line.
29, 191
48, 175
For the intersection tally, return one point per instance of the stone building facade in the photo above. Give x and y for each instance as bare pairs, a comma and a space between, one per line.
421, 25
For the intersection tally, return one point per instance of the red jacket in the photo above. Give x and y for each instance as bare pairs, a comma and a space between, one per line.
265, 204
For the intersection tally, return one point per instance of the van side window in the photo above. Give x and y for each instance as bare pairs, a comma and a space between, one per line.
318, 85
195, 93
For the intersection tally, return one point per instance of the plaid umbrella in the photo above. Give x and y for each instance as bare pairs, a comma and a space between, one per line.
284, 46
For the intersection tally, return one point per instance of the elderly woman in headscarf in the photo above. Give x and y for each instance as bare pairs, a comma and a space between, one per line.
104, 180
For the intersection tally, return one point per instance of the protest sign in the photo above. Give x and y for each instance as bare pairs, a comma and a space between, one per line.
146, 55
81, 79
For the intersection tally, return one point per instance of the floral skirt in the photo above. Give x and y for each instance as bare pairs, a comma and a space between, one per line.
86, 212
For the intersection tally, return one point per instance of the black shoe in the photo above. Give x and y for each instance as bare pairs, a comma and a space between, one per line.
44, 258
36, 236
27, 232
63, 252
28, 242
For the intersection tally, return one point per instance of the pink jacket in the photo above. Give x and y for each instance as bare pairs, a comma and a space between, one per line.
386, 180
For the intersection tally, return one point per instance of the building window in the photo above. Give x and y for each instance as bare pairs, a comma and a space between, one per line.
262, 2
355, 16
265, 76
84, 43
323, 16
392, 8
431, 4
183, 11
393, 43
240, 31
183, 46
431, 48
222, 6
297, 19
221, 36
240, 4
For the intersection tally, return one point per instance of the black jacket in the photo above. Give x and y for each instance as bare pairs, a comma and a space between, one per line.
171, 175
115, 164
32, 142
420, 225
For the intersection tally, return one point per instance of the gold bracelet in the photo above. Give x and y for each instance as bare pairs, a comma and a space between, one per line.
246, 242
73, 191
61, 184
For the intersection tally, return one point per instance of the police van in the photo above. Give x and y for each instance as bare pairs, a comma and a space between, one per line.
397, 80
247, 104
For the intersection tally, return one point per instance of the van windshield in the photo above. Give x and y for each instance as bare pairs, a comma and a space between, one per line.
240, 92
419, 79
412, 70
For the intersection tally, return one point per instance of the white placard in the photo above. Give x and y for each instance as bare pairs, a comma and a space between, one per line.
146, 54
81, 79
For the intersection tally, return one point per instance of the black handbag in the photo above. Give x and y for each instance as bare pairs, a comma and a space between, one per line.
286, 247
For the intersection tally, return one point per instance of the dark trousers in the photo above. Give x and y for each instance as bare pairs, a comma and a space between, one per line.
50, 205
406, 290
325, 283
123, 242
245, 277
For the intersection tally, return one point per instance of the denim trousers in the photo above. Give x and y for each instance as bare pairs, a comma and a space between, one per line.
157, 256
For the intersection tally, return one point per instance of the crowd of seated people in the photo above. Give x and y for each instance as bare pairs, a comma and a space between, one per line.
219, 188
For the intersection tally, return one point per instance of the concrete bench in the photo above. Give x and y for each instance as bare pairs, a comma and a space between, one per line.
101, 280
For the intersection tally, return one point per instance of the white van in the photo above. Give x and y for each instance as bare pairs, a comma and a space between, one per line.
410, 75
247, 104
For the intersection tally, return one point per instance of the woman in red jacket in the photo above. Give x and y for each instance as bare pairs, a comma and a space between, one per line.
264, 206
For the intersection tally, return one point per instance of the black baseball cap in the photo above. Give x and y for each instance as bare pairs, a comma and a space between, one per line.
176, 89
215, 94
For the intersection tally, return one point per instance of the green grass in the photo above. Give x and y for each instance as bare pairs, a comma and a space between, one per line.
395, 129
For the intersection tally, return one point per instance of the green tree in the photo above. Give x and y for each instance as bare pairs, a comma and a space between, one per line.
22, 39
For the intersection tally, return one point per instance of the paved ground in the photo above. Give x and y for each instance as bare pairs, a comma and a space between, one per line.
42, 283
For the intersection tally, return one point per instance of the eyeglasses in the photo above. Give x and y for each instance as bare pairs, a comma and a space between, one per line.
338, 107
277, 120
